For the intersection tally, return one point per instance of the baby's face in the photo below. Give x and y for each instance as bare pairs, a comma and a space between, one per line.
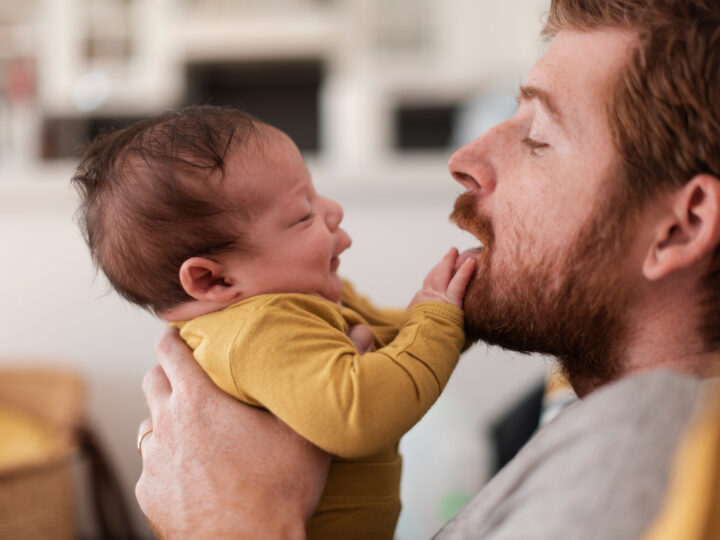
297, 236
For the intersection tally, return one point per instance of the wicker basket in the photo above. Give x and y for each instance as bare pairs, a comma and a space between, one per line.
37, 499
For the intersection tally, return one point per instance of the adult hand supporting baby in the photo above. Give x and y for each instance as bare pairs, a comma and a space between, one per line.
216, 468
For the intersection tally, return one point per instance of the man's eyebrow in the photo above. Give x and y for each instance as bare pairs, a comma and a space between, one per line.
527, 93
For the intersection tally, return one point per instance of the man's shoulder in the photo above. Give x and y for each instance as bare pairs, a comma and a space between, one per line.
629, 401
598, 470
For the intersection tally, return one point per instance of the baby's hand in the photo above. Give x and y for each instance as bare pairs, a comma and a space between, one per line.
440, 283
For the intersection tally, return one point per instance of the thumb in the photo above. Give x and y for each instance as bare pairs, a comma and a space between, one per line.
362, 337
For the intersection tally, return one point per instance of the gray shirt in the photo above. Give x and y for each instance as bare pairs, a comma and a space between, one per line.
597, 471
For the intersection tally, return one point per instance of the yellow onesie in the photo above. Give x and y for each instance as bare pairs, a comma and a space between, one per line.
290, 354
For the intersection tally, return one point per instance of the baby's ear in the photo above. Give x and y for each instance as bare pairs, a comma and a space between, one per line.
205, 279
691, 230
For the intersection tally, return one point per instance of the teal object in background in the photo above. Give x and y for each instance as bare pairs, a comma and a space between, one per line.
451, 503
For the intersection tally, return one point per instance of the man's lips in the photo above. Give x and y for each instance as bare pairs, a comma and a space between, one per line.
466, 216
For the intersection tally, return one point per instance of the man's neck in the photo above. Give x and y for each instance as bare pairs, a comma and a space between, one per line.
664, 334
663, 353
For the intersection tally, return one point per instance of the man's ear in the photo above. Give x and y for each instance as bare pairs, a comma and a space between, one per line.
205, 279
691, 230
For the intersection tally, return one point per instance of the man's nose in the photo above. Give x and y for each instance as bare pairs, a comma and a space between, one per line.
470, 166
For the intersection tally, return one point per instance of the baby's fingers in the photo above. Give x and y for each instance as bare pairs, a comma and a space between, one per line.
459, 282
439, 277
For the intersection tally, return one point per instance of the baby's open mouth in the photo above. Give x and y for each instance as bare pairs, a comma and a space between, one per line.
334, 263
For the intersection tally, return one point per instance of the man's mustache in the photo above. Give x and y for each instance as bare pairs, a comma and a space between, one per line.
466, 217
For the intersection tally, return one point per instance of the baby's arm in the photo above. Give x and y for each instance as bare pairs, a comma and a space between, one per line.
347, 403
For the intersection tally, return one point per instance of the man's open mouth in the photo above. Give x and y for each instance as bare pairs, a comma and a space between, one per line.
468, 253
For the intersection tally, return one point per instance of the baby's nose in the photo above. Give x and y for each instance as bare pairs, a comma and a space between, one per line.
334, 214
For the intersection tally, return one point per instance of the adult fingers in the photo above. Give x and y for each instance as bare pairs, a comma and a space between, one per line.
156, 387
144, 426
177, 361
144, 433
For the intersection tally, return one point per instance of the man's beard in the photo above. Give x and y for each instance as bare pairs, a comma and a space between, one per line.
570, 305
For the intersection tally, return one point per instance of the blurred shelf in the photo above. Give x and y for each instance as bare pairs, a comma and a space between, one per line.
382, 79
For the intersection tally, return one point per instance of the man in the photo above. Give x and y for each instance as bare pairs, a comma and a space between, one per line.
598, 205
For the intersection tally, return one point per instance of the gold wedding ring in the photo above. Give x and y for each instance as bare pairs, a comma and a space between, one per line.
140, 439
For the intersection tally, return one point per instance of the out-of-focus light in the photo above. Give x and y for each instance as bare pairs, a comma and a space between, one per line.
91, 90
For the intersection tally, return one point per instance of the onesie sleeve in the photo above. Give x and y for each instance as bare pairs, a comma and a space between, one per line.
296, 361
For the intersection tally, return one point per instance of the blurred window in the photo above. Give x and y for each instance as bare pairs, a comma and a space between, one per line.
69, 137
424, 126
282, 93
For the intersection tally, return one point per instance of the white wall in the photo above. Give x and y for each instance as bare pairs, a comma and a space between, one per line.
56, 313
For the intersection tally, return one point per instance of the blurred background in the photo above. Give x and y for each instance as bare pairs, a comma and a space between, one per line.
376, 93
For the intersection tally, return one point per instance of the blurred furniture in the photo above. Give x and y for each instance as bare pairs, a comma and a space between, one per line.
538, 406
40, 411
515, 427
42, 433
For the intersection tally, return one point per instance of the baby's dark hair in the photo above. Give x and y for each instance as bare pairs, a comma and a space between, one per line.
151, 198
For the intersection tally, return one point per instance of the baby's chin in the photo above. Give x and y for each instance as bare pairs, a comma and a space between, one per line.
334, 290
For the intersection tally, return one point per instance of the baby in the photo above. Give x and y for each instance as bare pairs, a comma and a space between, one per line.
208, 218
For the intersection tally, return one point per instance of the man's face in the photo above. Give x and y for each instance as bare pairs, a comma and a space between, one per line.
543, 195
